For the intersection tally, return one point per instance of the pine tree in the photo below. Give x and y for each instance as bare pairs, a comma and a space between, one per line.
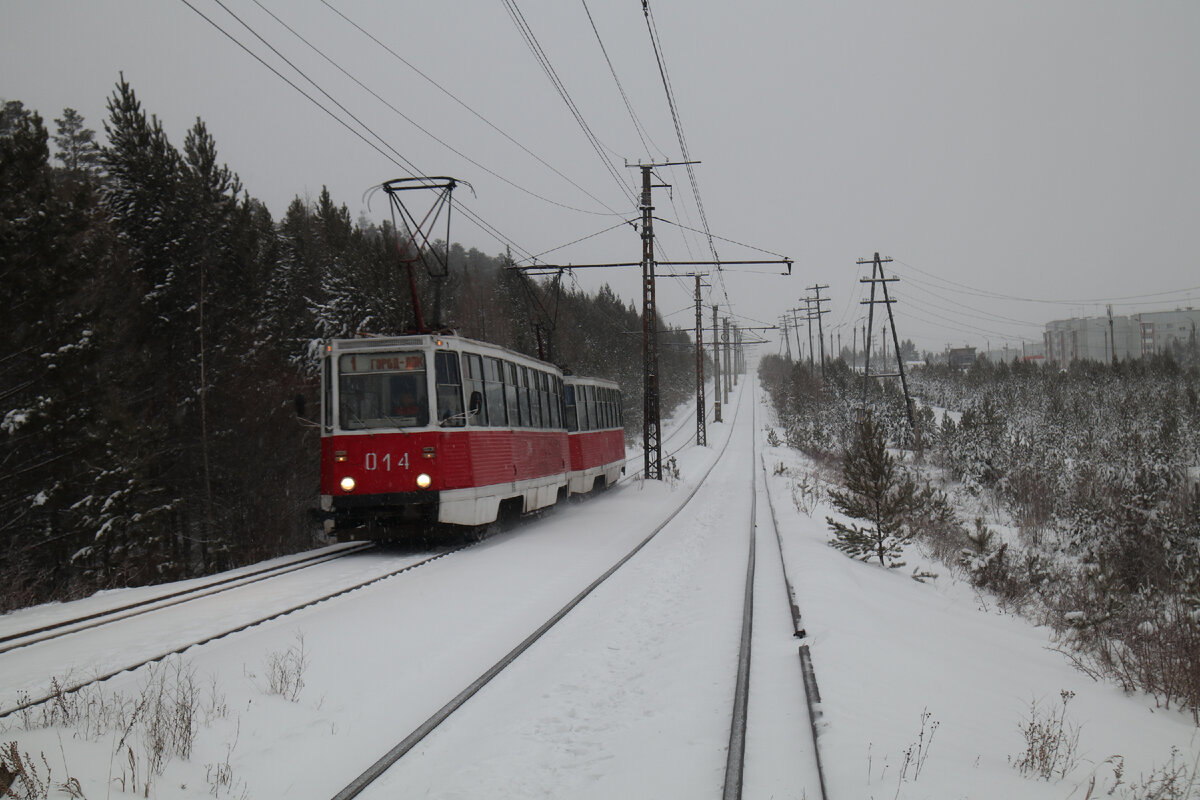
878, 491
77, 147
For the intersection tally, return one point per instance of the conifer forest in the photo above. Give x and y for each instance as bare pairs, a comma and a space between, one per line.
162, 330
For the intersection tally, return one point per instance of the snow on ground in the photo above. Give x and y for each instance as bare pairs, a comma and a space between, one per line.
593, 710
888, 649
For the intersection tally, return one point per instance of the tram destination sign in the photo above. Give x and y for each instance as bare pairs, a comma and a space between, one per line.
382, 362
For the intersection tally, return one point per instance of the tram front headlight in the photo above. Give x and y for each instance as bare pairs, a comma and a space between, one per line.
423, 480
347, 484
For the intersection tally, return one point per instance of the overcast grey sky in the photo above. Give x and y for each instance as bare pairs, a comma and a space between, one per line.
1033, 149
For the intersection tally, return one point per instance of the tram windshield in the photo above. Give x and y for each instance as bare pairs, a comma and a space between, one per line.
382, 390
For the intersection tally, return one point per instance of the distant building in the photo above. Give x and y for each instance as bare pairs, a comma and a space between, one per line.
1103, 338
1161, 329
961, 357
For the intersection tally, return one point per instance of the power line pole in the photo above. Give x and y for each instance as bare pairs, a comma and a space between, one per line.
701, 425
717, 385
651, 421
728, 387
820, 329
877, 269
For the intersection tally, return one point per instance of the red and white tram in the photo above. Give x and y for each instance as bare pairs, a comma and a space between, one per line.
595, 431
433, 429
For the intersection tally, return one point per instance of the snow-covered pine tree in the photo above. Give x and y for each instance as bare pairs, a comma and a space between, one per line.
878, 491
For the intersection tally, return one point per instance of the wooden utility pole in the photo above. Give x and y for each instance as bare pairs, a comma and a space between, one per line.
819, 313
877, 270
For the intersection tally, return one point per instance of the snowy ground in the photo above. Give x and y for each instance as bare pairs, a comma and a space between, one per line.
629, 696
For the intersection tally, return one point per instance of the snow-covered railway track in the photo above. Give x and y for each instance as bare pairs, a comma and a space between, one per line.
185, 640
63, 627
811, 694
367, 781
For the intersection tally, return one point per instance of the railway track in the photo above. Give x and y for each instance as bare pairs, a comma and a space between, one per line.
31, 699
369, 781
65, 627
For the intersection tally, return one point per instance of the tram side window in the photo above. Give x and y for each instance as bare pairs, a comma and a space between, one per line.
509, 372
493, 376
523, 396
476, 406
537, 395
583, 401
449, 390
555, 397
606, 401
572, 412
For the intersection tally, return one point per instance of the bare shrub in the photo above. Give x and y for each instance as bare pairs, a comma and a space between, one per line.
19, 772
161, 721
1149, 643
219, 775
808, 492
285, 670
1177, 779
1051, 742
917, 753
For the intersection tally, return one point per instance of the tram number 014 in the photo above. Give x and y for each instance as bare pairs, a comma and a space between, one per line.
374, 462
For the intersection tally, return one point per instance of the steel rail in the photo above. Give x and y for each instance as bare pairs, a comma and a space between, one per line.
812, 695
797, 624
110, 615
385, 762
735, 761
75, 687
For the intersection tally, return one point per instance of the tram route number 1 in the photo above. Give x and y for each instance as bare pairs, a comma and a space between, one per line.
374, 462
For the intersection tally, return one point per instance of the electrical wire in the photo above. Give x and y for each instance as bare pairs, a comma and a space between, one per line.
398, 158
400, 113
536, 256
998, 296
642, 133
721, 238
543, 60
656, 42
482, 118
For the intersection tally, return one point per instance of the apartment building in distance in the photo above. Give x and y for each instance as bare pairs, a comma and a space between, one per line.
1133, 336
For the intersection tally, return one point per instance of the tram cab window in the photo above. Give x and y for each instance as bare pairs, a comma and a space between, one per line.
449, 390
382, 390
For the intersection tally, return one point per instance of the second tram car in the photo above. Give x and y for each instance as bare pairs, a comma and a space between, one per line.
595, 432
426, 430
